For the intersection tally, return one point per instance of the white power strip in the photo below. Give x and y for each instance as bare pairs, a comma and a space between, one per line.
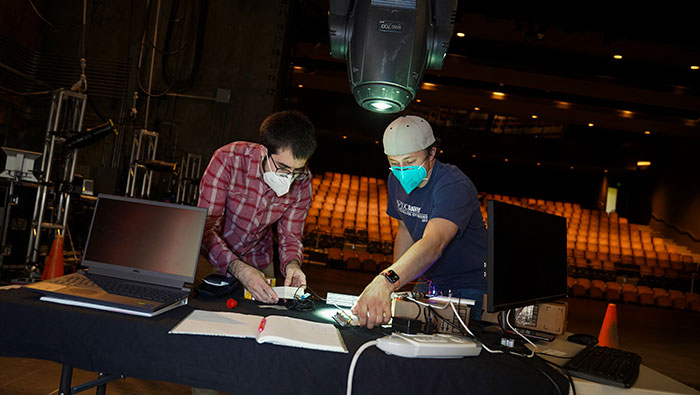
341, 299
289, 292
439, 345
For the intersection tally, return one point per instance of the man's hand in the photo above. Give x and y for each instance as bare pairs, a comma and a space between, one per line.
294, 277
254, 281
373, 307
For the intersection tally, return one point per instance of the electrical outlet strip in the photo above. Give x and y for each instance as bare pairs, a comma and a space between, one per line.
289, 292
439, 345
341, 299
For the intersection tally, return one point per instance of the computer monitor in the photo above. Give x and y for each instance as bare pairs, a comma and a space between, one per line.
526, 257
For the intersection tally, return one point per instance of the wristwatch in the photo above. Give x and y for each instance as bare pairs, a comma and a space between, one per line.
391, 276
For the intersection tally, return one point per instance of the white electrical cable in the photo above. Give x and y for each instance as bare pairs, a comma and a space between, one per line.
470, 332
521, 335
351, 372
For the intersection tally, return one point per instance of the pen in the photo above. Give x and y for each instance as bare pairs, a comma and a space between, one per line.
262, 325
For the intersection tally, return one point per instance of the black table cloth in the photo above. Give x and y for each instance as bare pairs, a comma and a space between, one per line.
140, 347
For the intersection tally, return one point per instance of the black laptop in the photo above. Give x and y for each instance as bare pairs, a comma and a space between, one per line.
140, 256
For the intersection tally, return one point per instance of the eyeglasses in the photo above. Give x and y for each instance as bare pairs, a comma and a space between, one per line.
402, 168
286, 172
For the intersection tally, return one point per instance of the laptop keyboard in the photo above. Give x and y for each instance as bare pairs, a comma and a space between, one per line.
75, 281
124, 288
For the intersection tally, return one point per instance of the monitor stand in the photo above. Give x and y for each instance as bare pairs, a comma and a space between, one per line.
498, 338
532, 335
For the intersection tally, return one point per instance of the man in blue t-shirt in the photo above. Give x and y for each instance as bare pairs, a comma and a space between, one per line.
441, 236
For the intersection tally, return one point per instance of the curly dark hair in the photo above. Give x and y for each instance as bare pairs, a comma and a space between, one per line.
288, 129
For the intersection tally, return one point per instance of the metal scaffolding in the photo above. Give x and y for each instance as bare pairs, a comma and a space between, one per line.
66, 117
188, 179
143, 151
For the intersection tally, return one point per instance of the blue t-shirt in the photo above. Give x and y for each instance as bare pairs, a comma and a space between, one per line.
451, 195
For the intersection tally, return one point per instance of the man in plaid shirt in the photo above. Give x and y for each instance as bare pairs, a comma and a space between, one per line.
250, 189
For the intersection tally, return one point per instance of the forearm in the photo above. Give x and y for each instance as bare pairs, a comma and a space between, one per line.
402, 243
217, 251
290, 251
423, 253
416, 260
213, 195
374, 304
253, 280
293, 262
293, 275
235, 266
290, 228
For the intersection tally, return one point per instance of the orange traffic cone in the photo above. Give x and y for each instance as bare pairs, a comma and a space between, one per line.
54, 262
608, 331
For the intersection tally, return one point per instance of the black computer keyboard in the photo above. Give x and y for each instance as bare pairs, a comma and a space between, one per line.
605, 365
128, 288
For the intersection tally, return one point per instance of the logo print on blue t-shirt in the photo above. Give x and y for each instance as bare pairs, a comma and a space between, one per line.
411, 211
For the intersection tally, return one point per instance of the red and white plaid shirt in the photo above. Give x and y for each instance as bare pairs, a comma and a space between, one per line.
242, 209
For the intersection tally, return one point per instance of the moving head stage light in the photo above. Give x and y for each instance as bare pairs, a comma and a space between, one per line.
388, 44
92, 135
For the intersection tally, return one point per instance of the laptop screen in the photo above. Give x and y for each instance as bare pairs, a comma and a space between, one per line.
145, 237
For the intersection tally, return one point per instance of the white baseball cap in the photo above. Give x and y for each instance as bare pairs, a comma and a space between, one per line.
406, 134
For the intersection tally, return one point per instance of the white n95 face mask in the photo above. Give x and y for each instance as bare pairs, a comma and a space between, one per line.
279, 184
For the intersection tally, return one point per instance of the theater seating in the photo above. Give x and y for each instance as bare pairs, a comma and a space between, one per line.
678, 299
597, 289
581, 287
348, 224
367, 263
693, 300
607, 256
629, 293
335, 257
661, 297
352, 260
645, 295
613, 291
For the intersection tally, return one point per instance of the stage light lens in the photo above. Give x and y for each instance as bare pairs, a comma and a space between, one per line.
380, 105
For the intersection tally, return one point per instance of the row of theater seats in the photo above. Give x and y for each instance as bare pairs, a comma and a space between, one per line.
630, 293
678, 277
358, 260
354, 207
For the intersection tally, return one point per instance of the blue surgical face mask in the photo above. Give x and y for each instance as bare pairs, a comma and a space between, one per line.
409, 176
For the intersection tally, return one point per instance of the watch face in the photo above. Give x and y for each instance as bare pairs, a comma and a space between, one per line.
391, 276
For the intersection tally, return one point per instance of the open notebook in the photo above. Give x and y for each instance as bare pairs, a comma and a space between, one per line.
140, 256
276, 329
